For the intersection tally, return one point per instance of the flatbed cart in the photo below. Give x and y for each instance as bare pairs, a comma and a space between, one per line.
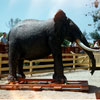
46, 84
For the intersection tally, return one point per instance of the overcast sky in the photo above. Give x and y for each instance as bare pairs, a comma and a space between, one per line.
45, 9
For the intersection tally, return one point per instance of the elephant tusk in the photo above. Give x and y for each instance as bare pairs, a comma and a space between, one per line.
85, 47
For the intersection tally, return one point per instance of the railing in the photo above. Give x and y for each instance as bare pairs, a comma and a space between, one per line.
70, 62
97, 57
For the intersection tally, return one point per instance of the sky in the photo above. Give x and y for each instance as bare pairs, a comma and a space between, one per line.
46, 9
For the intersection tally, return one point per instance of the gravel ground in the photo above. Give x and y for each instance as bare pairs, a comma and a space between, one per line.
93, 81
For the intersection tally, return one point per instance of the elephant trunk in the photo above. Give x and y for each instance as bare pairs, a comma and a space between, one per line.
89, 51
85, 47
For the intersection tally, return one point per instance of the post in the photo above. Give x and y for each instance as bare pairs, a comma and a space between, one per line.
0, 64
31, 68
73, 59
73, 62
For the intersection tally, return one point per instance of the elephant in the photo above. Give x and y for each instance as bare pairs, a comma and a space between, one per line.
34, 39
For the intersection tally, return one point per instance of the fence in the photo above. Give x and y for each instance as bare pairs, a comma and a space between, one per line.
70, 62
97, 57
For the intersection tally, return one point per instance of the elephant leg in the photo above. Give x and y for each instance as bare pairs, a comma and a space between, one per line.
58, 64
13, 63
20, 69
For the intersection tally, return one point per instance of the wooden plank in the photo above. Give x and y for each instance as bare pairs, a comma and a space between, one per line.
47, 66
44, 85
64, 54
70, 64
5, 69
42, 71
45, 60
40, 60
98, 65
51, 60
74, 85
4, 62
39, 66
75, 54
3, 55
77, 81
82, 67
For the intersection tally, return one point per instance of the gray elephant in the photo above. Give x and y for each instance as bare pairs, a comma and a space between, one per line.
35, 39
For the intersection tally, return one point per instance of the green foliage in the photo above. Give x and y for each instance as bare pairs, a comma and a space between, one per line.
1, 34
65, 43
96, 15
95, 35
12, 22
86, 35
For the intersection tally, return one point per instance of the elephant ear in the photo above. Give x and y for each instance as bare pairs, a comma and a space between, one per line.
60, 16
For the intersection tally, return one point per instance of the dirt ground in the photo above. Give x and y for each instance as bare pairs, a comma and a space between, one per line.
93, 81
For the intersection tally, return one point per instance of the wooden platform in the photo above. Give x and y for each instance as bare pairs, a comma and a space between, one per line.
46, 84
